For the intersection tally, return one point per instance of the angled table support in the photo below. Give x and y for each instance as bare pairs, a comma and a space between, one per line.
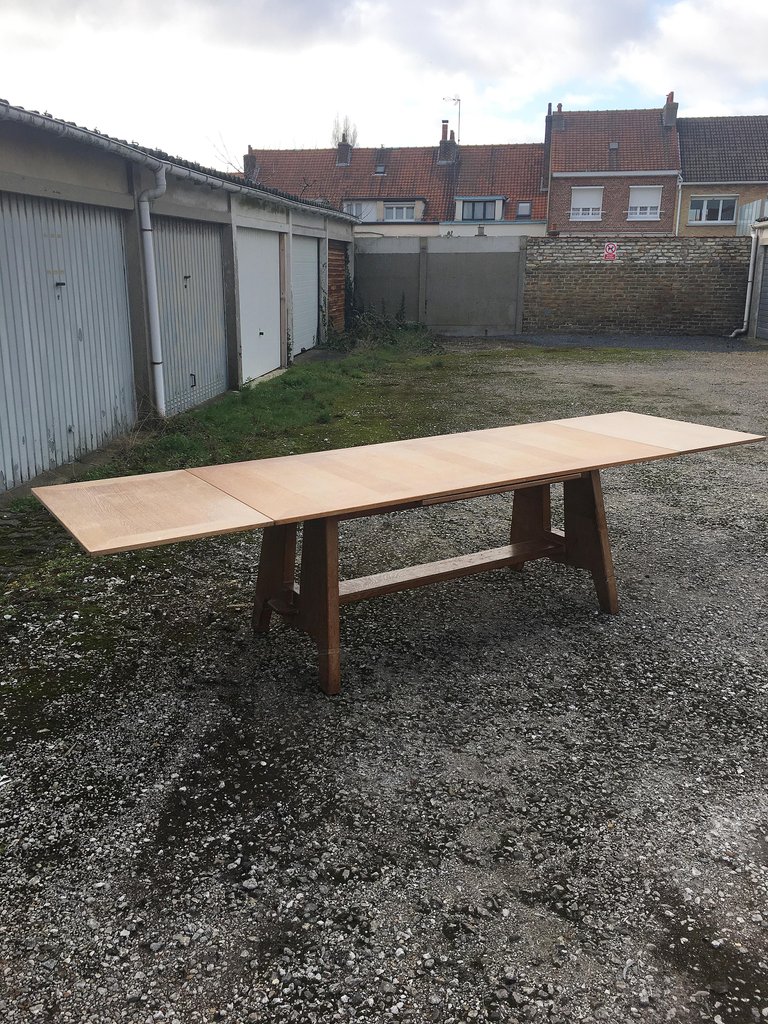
313, 606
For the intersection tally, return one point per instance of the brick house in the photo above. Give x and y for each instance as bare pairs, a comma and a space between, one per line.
612, 172
724, 174
445, 189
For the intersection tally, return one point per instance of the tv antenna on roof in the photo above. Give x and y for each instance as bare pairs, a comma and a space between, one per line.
457, 101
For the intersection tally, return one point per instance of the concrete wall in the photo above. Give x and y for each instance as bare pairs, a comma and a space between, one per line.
682, 286
457, 285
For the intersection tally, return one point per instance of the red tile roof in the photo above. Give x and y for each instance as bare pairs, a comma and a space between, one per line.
582, 143
513, 171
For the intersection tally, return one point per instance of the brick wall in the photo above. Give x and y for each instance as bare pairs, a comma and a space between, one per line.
615, 206
654, 286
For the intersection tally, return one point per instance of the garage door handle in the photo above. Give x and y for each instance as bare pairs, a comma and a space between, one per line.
193, 379
261, 334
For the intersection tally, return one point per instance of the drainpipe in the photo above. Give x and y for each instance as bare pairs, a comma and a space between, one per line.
289, 288
679, 205
750, 281
150, 277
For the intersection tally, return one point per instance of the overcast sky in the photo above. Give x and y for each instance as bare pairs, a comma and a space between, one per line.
204, 78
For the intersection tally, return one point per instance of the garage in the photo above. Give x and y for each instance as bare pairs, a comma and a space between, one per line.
66, 367
258, 273
305, 276
761, 321
190, 283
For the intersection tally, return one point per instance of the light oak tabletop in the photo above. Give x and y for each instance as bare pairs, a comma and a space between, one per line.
135, 512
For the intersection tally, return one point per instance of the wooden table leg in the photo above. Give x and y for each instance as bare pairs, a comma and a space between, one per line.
319, 596
531, 516
277, 565
587, 545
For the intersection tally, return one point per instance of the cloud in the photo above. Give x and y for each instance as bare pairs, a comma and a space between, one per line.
710, 52
207, 76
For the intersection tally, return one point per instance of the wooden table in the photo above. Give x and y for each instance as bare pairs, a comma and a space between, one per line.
322, 488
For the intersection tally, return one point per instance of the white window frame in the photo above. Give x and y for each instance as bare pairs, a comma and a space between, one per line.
354, 207
642, 208
522, 214
399, 211
583, 206
706, 200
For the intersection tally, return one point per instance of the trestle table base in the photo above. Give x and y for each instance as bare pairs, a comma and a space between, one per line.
313, 605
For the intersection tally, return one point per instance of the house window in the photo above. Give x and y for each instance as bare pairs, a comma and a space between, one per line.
644, 202
356, 209
478, 209
524, 210
586, 203
713, 210
404, 212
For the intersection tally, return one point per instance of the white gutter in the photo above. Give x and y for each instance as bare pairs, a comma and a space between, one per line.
150, 277
750, 282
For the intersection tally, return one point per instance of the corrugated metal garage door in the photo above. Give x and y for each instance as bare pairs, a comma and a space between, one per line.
306, 292
761, 325
66, 367
190, 282
258, 274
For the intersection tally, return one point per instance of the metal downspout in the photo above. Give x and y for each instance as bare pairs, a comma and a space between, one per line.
750, 282
679, 205
150, 278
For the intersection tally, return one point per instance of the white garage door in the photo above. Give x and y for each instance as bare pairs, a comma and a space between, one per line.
66, 366
258, 274
306, 292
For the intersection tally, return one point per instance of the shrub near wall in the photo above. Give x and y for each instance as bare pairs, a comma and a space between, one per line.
654, 286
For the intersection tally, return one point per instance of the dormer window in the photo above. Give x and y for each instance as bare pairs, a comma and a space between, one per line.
399, 211
478, 209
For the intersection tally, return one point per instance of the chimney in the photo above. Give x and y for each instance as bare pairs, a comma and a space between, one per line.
669, 112
251, 169
544, 183
448, 151
343, 152
558, 119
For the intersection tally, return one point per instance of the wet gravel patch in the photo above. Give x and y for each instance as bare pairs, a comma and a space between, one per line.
517, 810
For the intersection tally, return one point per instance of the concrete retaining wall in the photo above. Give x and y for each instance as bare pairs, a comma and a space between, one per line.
454, 284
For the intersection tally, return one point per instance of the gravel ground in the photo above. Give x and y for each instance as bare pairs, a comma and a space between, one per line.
517, 810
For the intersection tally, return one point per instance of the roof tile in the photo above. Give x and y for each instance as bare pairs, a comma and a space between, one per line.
582, 144
724, 149
511, 170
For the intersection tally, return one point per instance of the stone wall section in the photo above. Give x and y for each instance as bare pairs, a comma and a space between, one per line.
684, 286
